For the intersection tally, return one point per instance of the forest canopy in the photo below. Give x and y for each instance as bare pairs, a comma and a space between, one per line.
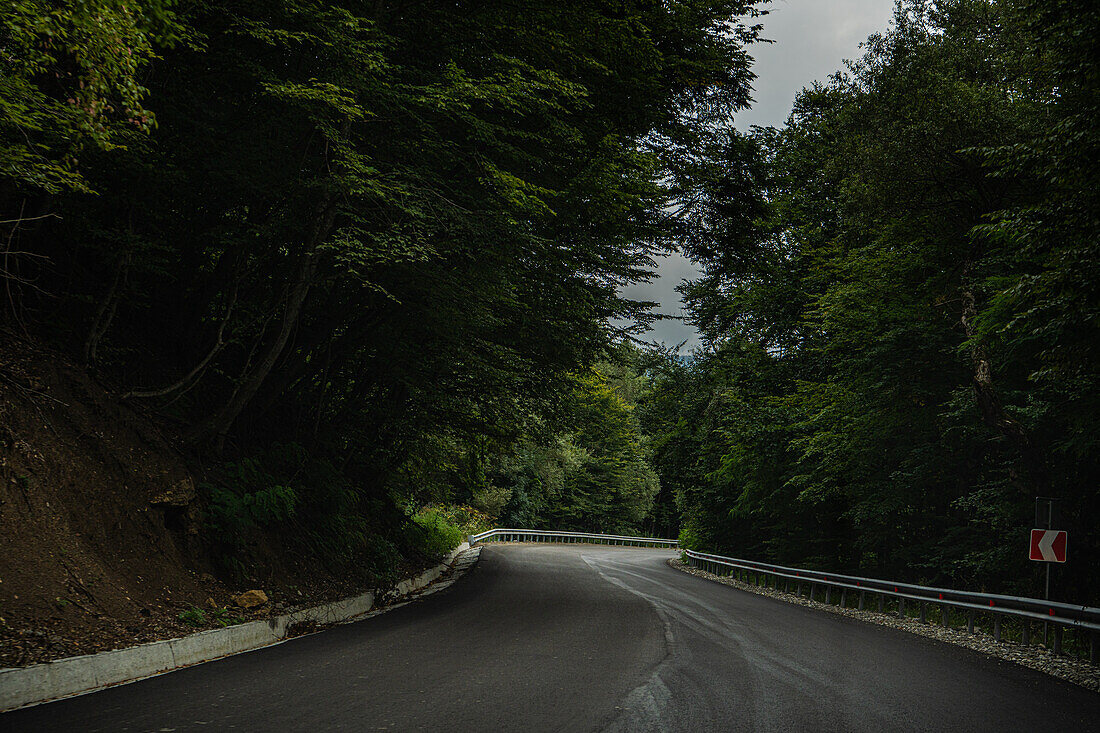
366, 258
899, 307
332, 242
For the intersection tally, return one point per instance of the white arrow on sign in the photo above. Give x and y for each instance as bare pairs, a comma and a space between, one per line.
1046, 546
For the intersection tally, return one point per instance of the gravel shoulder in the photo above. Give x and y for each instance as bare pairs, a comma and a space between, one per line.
1036, 656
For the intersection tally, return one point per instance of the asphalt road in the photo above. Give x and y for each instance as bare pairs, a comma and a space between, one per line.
576, 638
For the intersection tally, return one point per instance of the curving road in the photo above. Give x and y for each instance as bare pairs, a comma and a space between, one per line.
578, 638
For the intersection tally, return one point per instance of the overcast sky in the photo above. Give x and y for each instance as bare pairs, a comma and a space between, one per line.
812, 40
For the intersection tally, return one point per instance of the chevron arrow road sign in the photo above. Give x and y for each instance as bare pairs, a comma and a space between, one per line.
1048, 545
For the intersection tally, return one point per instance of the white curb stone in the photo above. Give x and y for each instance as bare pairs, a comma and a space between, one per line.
23, 686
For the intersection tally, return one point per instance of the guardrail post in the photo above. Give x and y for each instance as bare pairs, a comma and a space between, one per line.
970, 622
996, 627
923, 612
945, 616
1058, 640
1092, 647
843, 597
881, 602
901, 608
861, 594
1026, 632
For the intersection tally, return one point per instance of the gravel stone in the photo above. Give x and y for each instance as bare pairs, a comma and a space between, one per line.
1036, 656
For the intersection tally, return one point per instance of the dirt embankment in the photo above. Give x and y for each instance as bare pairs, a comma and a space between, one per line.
100, 532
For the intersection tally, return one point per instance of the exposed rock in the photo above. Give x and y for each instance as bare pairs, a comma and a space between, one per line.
251, 599
180, 493
207, 578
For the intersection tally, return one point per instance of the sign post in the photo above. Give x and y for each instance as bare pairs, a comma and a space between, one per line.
1047, 544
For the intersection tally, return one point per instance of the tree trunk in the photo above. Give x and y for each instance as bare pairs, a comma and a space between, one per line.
105, 313
218, 426
298, 363
195, 373
989, 404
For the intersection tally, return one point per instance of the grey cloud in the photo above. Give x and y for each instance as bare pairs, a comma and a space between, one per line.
812, 40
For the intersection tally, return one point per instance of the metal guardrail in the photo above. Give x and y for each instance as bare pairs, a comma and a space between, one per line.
1084, 620
539, 535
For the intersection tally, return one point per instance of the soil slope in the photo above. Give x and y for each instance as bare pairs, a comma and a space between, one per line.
100, 527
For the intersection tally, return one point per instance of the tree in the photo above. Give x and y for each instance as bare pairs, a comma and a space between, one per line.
880, 398
70, 77
385, 231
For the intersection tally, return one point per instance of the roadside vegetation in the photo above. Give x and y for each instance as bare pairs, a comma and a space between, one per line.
899, 306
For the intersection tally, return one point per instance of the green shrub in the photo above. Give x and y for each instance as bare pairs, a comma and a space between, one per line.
466, 518
325, 516
193, 616
433, 535
343, 540
247, 497
380, 558
689, 536
224, 617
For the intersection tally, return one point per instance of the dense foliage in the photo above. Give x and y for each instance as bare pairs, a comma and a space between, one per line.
585, 466
899, 303
371, 255
363, 229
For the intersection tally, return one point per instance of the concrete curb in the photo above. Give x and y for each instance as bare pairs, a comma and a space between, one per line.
23, 686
